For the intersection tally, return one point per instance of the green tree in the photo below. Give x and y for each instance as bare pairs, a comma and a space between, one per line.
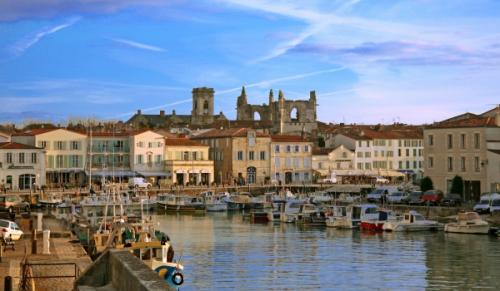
321, 142
426, 184
457, 185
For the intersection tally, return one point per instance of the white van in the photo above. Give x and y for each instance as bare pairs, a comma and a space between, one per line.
485, 203
138, 182
494, 203
376, 195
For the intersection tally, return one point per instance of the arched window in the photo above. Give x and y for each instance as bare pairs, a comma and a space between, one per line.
256, 115
205, 107
294, 114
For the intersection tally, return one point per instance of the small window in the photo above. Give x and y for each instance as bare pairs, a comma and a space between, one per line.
262, 155
277, 149
251, 155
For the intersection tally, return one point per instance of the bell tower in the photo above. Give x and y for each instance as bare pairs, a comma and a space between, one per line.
203, 106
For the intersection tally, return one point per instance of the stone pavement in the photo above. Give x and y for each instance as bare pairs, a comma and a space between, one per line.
63, 249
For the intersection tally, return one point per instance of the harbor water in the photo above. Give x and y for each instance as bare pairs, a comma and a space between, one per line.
225, 251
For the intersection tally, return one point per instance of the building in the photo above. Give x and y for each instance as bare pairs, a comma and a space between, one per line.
338, 162
147, 149
187, 161
293, 117
21, 166
240, 155
4, 136
291, 159
65, 154
468, 146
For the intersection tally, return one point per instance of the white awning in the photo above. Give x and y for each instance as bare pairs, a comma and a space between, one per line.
110, 173
154, 174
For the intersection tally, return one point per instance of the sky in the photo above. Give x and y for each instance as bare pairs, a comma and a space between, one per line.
379, 61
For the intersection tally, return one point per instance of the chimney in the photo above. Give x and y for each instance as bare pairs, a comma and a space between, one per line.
162, 113
138, 112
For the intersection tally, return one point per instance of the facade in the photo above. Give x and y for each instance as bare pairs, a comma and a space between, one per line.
240, 155
187, 162
286, 116
65, 154
467, 147
21, 166
336, 162
147, 149
291, 159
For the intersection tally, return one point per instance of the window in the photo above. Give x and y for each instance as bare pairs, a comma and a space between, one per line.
462, 141
74, 161
277, 162
399, 152
360, 166
194, 156
414, 164
306, 149
307, 162
296, 163
33, 158
21, 158
476, 164
288, 148
240, 156
297, 149
139, 159
297, 177
185, 156
320, 165
59, 145
251, 155
431, 139
390, 154
450, 141
42, 144
306, 176
277, 149
414, 152
477, 141
431, 162
344, 155
150, 144
262, 155
288, 162
8, 157
360, 154
158, 158
367, 143
59, 161
368, 166
407, 152
400, 143
450, 164
75, 145
140, 144
359, 143
420, 164
390, 165
375, 153
368, 154
407, 164
462, 164
400, 164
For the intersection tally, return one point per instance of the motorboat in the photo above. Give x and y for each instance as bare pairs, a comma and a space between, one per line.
354, 215
412, 221
310, 214
214, 202
376, 225
50, 200
468, 222
335, 212
288, 211
180, 203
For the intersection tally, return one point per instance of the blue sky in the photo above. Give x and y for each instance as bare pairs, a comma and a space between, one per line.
369, 61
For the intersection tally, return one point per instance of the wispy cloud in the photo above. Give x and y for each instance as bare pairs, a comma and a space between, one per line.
138, 45
28, 41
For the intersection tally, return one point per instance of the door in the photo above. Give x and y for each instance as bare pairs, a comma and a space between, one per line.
26, 181
180, 178
251, 175
288, 178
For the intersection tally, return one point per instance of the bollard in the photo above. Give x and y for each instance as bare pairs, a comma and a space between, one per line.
7, 283
33, 242
46, 242
164, 253
39, 217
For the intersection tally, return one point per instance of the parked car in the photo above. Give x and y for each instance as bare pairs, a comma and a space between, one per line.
12, 203
10, 230
483, 206
415, 198
139, 182
376, 195
495, 203
433, 197
381, 180
397, 197
452, 199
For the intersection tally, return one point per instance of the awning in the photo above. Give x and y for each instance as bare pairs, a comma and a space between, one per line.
108, 173
154, 174
406, 171
389, 173
64, 171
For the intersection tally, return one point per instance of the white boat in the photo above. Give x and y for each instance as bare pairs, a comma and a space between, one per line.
290, 210
215, 202
180, 203
412, 221
50, 200
351, 218
468, 222
310, 214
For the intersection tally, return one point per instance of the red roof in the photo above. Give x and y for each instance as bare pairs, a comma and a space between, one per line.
469, 122
17, 146
38, 131
230, 132
182, 142
288, 138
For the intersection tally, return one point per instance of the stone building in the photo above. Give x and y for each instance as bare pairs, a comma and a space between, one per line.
291, 159
21, 166
285, 116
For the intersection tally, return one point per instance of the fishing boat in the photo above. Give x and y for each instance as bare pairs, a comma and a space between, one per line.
180, 203
412, 221
215, 202
468, 222
376, 225
353, 216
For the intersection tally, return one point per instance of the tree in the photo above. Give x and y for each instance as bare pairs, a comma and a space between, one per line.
426, 184
321, 142
457, 185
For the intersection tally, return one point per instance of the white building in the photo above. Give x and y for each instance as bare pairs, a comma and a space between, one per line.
21, 166
146, 155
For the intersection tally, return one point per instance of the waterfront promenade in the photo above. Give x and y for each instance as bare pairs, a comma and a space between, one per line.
66, 258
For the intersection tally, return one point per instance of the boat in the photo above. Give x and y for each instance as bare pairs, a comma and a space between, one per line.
376, 225
310, 214
412, 221
288, 211
468, 222
50, 200
353, 216
214, 202
180, 203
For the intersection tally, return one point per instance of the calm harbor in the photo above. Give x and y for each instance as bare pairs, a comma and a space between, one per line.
225, 251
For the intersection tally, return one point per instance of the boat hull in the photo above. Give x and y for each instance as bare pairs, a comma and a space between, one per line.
468, 229
410, 227
372, 226
216, 207
181, 208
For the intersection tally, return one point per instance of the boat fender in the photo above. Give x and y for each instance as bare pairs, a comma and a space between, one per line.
177, 278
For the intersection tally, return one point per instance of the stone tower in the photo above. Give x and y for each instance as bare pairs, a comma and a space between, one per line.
203, 106
241, 105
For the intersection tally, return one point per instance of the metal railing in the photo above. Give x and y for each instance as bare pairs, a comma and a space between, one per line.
30, 274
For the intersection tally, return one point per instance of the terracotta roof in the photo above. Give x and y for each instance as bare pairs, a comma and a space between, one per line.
230, 132
288, 138
321, 151
182, 142
38, 131
17, 146
116, 134
469, 122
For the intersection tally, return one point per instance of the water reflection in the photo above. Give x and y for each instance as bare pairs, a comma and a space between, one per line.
224, 251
